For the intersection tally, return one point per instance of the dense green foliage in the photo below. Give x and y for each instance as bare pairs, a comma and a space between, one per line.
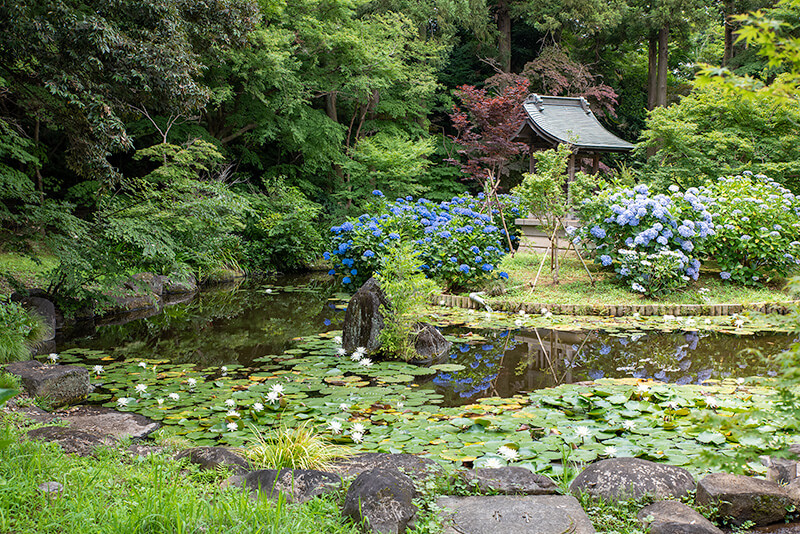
20, 330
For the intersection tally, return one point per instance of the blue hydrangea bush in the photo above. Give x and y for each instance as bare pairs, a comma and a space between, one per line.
460, 243
757, 228
631, 230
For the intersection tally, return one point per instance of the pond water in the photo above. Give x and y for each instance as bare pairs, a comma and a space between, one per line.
251, 326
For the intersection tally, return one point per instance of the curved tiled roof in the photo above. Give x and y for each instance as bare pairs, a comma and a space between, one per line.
560, 119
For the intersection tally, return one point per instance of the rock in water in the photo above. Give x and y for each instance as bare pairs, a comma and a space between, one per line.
59, 384
363, 320
429, 343
383, 499
632, 478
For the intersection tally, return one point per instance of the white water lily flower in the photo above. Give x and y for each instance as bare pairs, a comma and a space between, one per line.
636, 315
257, 406
508, 453
707, 321
232, 426
268, 291
358, 427
711, 402
340, 351
230, 403
738, 323
273, 397
642, 387
143, 365
629, 425
277, 388
232, 413
366, 362
548, 315
543, 311
192, 382
160, 401
522, 313
338, 340
492, 463
672, 405
224, 370
518, 323
141, 388
441, 302
123, 401
174, 396
668, 318
400, 405
344, 407
357, 437
582, 431
611, 451
53, 357
335, 427
356, 356
740, 381
97, 369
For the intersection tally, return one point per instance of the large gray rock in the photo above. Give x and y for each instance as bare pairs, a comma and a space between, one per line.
294, 485
381, 499
740, 499
429, 343
174, 284
363, 320
509, 480
59, 384
146, 282
673, 517
780, 470
46, 311
514, 514
414, 466
71, 441
214, 458
107, 421
632, 478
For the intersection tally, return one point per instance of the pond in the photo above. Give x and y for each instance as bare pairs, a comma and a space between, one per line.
265, 355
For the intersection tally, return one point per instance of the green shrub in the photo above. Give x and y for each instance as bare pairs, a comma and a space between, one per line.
757, 225
293, 448
20, 330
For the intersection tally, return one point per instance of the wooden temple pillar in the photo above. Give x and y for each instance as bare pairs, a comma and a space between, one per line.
595, 163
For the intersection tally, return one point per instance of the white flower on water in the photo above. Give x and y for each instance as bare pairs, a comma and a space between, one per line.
356, 356
233, 427
362, 350
738, 323
629, 425
273, 397
340, 351
366, 362
508, 453
522, 313
268, 291
711, 402
400, 405
672, 405
53, 357
230, 403
123, 401
641, 387
141, 388
335, 427
143, 365
548, 315
636, 315
97, 369
611, 451
740, 381
518, 323
582, 431
224, 370
668, 318
160, 401
174, 396
192, 382
232, 413
441, 302
277, 388
344, 407
492, 463
707, 321
358, 427
338, 340
257, 406
357, 437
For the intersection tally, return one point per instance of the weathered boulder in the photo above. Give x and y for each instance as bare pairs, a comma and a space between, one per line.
71, 441
632, 478
295, 485
59, 384
673, 517
46, 311
414, 466
178, 284
141, 282
514, 514
780, 470
794, 490
740, 498
107, 421
383, 500
363, 320
429, 343
215, 457
509, 480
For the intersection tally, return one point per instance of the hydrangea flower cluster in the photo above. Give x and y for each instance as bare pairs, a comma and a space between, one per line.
758, 228
653, 274
459, 244
628, 226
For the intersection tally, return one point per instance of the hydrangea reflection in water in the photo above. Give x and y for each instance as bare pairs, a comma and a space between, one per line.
459, 242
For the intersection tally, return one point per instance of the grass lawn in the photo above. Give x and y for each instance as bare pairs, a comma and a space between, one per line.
23, 269
575, 288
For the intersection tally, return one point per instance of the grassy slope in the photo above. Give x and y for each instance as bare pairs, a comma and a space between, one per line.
24, 270
575, 287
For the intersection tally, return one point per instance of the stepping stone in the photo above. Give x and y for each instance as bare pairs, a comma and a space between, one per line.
71, 441
632, 478
215, 457
296, 485
509, 480
414, 466
743, 499
512, 514
59, 384
99, 420
673, 517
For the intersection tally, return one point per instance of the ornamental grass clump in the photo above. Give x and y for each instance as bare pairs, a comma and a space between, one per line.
460, 242
293, 448
631, 229
757, 229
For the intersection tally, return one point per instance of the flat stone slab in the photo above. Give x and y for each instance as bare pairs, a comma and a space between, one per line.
414, 466
59, 384
99, 420
673, 517
512, 514
214, 457
509, 480
632, 478
743, 499
71, 441
296, 485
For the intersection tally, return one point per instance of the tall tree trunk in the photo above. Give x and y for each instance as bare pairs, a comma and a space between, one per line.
504, 27
663, 60
652, 68
728, 24
330, 106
